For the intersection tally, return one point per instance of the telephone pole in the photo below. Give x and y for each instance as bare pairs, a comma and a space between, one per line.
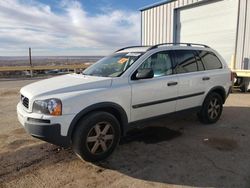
31, 71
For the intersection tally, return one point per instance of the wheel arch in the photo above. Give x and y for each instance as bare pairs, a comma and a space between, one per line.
220, 90
113, 108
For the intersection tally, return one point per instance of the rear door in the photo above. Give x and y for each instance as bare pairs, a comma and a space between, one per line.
192, 78
158, 95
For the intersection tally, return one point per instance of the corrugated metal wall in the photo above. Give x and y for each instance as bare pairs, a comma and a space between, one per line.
158, 22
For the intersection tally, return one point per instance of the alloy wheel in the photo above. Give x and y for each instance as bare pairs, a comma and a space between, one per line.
214, 108
100, 138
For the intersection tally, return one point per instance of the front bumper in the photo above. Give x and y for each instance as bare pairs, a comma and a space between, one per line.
42, 129
49, 133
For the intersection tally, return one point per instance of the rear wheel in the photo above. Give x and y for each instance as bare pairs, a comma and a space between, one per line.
211, 109
96, 136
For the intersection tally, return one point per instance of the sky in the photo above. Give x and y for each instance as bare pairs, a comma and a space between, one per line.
68, 27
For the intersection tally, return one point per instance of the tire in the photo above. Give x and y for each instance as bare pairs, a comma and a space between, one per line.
211, 109
243, 88
96, 136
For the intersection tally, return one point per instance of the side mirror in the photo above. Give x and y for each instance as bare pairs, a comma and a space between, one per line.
145, 73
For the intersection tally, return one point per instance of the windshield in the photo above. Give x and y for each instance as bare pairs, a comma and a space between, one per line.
113, 65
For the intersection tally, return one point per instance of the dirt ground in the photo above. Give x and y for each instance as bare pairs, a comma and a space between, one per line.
179, 152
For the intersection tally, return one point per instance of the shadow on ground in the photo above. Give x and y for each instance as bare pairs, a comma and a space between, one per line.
184, 152
178, 151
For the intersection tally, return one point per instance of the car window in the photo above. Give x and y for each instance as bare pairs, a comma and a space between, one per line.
200, 65
160, 63
185, 61
199, 62
210, 60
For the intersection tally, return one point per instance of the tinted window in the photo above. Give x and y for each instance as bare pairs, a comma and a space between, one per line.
210, 60
160, 63
200, 65
186, 61
199, 62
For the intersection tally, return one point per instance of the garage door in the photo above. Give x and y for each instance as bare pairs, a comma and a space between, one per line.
212, 23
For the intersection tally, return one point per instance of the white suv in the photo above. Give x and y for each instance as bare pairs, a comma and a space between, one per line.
92, 110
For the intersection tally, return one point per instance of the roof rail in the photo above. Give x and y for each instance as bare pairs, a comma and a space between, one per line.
131, 47
187, 44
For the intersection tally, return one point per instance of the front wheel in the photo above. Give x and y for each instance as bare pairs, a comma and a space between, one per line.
211, 109
96, 136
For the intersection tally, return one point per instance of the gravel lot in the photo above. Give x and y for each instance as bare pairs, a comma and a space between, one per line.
179, 152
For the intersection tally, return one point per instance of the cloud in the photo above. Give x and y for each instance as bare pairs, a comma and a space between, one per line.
72, 31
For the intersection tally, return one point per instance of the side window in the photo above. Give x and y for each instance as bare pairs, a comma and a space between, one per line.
210, 60
199, 62
200, 65
160, 63
185, 61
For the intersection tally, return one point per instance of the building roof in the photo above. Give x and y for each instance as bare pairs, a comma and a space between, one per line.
155, 4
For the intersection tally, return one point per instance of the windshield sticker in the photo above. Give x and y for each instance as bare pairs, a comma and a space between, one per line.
133, 54
123, 60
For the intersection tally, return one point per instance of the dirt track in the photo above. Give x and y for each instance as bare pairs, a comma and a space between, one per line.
181, 152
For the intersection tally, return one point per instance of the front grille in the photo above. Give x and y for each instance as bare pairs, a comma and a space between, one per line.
25, 101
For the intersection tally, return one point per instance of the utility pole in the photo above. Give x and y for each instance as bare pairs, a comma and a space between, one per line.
31, 71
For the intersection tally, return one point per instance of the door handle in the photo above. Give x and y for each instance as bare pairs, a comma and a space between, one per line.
205, 78
172, 83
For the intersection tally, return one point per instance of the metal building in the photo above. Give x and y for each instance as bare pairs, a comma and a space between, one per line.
222, 24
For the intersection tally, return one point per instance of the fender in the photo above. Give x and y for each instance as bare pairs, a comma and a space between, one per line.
221, 91
123, 119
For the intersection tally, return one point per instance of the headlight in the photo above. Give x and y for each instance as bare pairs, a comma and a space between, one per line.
49, 106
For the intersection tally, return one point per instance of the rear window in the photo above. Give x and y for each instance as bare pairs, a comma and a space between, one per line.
210, 60
186, 61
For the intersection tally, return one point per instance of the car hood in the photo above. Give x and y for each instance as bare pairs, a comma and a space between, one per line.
64, 84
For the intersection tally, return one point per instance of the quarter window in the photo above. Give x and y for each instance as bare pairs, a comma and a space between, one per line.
210, 60
185, 61
160, 63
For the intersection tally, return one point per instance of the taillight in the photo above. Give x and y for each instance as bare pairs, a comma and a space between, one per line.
233, 75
